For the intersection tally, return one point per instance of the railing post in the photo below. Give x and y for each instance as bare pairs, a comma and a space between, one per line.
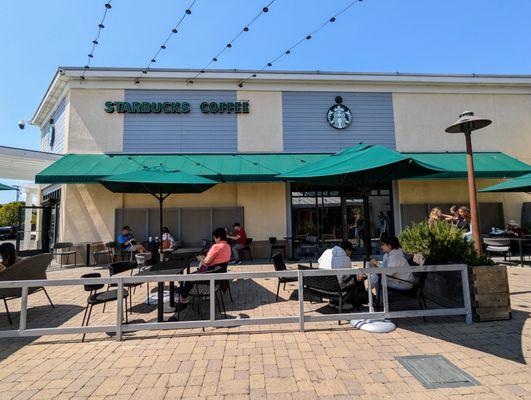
369, 292
212, 300
466, 294
385, 294
301, 300
23, 309
119, 308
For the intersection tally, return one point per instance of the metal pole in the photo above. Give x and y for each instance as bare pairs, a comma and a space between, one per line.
301, 301
474, 221
369, 292
212, 300
23, 309
161, 200
119, 308
385, 294
466, 295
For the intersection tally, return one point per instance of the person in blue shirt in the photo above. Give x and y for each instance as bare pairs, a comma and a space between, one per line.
128, 241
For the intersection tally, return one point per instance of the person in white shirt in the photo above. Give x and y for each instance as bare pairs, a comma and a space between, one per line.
168, 242
338, 257
393, 258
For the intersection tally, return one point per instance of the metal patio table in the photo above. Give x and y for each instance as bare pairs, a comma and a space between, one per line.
172, 267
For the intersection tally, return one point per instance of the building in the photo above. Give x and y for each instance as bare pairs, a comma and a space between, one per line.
248, 129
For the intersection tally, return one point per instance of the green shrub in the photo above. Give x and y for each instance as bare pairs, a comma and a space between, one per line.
441, 243
9, 213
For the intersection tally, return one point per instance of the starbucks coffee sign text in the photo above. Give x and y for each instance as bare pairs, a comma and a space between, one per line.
147, 107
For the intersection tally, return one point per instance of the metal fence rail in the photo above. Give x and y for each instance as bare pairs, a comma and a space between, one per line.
301, 319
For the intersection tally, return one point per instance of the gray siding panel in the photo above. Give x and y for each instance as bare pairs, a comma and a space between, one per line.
59, 121
193, 132
307, 130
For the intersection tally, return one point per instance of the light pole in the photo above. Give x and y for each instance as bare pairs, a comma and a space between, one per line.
467, 123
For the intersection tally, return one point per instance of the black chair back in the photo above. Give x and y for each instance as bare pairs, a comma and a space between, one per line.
248, 241
311, 239
278, 262
322, 283
91, 288
218, 268
272, 240
121, 266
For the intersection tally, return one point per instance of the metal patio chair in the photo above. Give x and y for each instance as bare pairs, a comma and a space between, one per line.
247, 249
276, 247
31, 268
96, 298
499, 246
62, 249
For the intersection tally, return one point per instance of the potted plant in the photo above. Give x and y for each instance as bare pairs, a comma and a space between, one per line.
443, 243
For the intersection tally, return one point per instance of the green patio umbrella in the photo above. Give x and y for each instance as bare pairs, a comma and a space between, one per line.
361, 165
6, 187
159, 182
520, 184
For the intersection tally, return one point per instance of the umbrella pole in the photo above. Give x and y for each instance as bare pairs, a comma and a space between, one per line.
161, 200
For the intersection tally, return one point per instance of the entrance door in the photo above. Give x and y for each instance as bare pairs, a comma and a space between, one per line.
33, 233
355, 222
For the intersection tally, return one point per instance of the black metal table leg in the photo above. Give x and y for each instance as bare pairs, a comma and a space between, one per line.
172, 294
160, 302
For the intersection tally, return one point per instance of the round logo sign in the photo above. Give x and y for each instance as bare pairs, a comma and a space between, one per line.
339, 116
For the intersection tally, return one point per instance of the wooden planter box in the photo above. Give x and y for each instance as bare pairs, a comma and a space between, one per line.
489, 291
489, 287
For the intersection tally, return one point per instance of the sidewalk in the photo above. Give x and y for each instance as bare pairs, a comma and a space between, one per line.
262, 362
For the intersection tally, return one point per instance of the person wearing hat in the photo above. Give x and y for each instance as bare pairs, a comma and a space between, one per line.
128, 241
512, 229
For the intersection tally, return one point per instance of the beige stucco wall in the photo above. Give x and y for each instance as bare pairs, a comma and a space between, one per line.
87, 213
219, 195
261, 129
420, 120
264, 208
90, 128
455, 191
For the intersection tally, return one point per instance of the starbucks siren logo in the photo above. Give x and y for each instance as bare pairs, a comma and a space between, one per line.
339, 116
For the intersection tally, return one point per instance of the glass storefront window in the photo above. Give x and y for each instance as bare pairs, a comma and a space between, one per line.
336, 215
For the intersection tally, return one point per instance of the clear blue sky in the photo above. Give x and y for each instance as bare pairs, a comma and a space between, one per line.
450, 36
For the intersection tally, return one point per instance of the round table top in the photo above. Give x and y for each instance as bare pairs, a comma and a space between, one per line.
164, 268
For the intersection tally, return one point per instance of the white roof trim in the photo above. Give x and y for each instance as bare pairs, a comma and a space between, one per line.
24, 164
117, 75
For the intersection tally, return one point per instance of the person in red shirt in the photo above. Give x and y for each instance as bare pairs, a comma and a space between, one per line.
219, 253
240, 241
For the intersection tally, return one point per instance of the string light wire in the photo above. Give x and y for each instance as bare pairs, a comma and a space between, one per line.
309, 36
95, 42
174, 31
229, 44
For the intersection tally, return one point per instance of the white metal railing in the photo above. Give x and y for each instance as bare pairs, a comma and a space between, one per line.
301, 319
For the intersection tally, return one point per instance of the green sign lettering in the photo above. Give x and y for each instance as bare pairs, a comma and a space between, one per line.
146, 107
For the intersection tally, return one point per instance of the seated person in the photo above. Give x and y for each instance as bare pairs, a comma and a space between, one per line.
128, 242
240, 241
9, 255
338, 257
393, 258
219, 253
514, 230
168, 242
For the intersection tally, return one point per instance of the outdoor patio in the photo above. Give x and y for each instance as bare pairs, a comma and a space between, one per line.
270, 361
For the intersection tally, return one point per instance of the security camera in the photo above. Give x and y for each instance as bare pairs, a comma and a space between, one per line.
21, 124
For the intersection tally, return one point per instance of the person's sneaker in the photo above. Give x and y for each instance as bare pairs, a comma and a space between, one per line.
237, 262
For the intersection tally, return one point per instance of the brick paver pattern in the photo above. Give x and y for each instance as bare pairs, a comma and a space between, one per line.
328, 361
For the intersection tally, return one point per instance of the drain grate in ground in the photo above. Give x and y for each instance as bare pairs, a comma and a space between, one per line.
435, 371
